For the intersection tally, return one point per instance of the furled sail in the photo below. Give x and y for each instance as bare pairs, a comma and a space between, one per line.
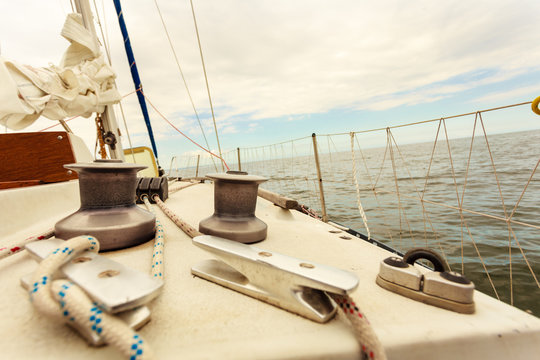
81, 85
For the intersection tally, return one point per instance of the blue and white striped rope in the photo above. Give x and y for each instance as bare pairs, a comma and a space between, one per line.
65, 301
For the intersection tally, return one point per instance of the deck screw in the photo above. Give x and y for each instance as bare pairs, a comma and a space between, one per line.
59, 137
108, 273
81, 259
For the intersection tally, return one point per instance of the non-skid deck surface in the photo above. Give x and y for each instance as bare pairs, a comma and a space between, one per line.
196, 319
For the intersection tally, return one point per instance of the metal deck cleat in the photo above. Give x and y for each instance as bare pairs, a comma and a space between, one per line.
292, 284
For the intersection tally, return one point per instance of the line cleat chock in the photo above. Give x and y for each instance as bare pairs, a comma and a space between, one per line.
151, 186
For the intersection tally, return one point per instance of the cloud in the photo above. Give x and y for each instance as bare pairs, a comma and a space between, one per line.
274, 59
497, 97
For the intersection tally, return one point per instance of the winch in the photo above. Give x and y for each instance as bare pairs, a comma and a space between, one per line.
108, 210
235, 200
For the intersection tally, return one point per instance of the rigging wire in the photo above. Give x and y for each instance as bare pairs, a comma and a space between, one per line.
184, 79
206, 79
105, 40
181, 133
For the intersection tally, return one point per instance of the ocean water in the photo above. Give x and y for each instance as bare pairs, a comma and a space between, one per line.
488, 182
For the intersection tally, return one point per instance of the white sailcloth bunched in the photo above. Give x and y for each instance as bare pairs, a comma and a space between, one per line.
83, 83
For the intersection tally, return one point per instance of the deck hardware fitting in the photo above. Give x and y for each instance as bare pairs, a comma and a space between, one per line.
81, 259
151, 186
126, 290
108, 211
126, 298
442, 288
277, 280
235, 200
108, 274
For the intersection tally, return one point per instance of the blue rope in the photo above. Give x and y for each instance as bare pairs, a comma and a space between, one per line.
135, 74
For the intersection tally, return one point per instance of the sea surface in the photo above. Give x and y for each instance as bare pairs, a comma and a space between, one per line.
488, 181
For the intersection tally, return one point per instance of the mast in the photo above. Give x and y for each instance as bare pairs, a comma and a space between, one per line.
108, 117
135, 75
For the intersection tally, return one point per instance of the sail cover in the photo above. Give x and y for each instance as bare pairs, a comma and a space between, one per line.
83, 83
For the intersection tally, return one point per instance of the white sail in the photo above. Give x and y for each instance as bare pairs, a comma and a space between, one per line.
83, 83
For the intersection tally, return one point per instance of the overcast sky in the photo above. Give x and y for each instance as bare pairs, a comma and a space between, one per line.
284, 69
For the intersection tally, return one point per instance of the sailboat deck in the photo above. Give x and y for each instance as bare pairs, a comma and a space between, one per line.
194, 318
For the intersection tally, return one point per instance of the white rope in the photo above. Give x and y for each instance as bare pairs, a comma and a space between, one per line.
360, 207
157, 269
6, 251
176, 188
370, 346
65, 301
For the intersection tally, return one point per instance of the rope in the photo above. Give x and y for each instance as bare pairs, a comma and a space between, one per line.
65, 301
366, 337
360, 207
181, 133
374, 190
174, 189
17, 247
206, 79
184, 226
420, 196
157, 269
184, 80
369, 343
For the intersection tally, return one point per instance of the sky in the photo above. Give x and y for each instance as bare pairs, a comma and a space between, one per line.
280, 70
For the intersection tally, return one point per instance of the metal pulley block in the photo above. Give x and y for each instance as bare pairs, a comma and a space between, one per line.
151, 186
441, 287
235, 199
108, 210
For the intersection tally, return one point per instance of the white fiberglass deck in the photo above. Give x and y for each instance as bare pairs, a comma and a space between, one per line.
196, 319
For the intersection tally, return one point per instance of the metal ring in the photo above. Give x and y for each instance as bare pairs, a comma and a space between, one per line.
438, 262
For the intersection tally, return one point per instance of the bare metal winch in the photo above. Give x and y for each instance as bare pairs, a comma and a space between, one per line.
108, 210
235, 199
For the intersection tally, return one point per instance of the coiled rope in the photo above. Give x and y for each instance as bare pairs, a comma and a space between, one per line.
63, 300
